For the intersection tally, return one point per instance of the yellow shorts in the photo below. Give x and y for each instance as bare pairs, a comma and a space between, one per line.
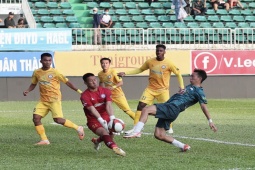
43, 108
149, 96
121, 102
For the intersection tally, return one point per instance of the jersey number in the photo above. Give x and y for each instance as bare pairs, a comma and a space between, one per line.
143, 97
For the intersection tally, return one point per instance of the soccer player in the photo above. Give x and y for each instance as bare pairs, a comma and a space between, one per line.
97, 105
50, 98
159, 77
108, 78
167, 112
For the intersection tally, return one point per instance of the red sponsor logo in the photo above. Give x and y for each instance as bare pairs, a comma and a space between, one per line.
224, 62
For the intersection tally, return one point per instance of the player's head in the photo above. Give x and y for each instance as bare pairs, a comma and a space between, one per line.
201, 73
105, 63
46, 60
90, 80
198, 76
160, 51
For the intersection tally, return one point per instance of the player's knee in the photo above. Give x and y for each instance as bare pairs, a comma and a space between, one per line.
59, 121
159, 136
36, 120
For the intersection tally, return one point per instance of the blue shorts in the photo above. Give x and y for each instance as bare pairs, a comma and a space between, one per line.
166, 113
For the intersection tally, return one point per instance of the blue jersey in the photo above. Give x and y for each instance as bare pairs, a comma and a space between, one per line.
192, 95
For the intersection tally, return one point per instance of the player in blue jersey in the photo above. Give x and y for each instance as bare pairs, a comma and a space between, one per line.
167, 112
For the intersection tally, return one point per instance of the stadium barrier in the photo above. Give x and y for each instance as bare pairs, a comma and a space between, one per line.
28, 14
174, 38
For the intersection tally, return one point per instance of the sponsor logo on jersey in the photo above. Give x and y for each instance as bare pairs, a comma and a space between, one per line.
98, 104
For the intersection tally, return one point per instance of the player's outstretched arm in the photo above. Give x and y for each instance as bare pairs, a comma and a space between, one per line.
30, 88
69, 84
207, 114
135, 71
121, 74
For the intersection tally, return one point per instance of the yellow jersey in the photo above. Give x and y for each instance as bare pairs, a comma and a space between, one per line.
160, 73
110, 78
49, 84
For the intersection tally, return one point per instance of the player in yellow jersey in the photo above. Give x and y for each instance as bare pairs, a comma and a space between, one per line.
159, 77
50, 98
108, 78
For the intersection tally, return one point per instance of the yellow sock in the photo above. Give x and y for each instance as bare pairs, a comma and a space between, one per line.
70, 124
137, 116
131, 114
171, 125
40, 130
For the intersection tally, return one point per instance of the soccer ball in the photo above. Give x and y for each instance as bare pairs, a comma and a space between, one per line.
117, 125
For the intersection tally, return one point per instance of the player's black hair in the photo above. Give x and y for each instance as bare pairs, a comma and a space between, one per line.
201, 73
45, 55
161, 46
87, 75
106, 9
105, 59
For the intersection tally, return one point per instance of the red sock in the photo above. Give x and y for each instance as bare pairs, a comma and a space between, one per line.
108, 141
99, 139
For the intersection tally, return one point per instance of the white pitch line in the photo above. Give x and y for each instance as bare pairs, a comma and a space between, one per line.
200, 139
115, 109
210, 140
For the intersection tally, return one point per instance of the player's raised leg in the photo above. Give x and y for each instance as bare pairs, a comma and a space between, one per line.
69, 124
122, 103
57, 114
140, 106
159, 133
143, 119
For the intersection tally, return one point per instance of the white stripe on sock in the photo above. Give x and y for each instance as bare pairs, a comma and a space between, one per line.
138, 127
178, 144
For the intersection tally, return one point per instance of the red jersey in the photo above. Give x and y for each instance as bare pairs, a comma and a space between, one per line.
97, 99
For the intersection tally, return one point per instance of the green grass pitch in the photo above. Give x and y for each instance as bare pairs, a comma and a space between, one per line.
232, 147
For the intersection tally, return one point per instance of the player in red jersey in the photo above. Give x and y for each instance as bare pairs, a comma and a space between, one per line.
97, 105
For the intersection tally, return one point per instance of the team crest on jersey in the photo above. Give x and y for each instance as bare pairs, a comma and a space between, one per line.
163, 67
50, 76
102, 95
109, 76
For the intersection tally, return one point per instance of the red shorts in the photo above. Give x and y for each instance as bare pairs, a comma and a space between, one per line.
94, 125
